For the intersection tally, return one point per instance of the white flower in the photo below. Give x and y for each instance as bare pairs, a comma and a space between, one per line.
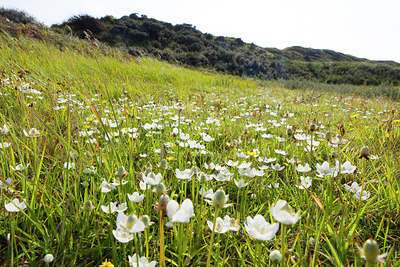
274, 185
347, 168
231, 163
207, 193
220, 226
180, 213
122, 236
32, 133
19, 167
304, 182
135, 197
242, 155
106, 187
306, 168
259, 229
4, 130
275, 256
15, 205
353, 188
184, 175
277, 167
324, 170
143, 262
247, 172
283, 213
69, 165
240, 183
244, 165
114, 207
118, 181
282, 152
4, 145
6, 184
152, 179
48, 258
356, 189
129, 223
365, 195
231, 223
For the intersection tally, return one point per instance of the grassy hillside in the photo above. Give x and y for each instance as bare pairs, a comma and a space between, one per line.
189, 46
82, 126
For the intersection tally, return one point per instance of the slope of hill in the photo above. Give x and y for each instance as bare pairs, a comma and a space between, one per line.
185, 44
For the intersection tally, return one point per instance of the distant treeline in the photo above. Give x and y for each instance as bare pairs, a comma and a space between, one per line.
185, 44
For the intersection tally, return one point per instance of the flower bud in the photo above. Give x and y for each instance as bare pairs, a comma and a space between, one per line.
219, 198
88, 206
147, 171
131, 220
203, 177
364, 153
163, 164
313, 127
48, 258
275, 256
121, 171
160, 188
146, 220
371, 250
163, 202
194, 170
328, 135
289, 131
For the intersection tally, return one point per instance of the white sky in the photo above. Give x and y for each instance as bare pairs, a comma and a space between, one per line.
363, 28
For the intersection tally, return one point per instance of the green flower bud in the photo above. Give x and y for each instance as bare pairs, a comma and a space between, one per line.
219, 198
194, 170
146, 220
313, 127
88, 206
164, 164
121, 171
371, 250
147, 171
203, 177
328, 135
289, 131
131, 220
160, 188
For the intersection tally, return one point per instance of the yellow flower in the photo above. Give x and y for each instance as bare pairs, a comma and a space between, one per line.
106, 264
252, 154
170, 158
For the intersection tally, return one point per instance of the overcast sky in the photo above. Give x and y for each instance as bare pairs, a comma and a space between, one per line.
363, 28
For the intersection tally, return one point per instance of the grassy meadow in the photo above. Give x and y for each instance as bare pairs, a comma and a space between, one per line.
107, 158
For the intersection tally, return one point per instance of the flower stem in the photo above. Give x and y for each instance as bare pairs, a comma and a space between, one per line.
283, 242
180, 244
161, 239
258, 254
212, 237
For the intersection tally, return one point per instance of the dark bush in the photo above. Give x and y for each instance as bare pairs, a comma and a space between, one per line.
86, 23
17, 16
